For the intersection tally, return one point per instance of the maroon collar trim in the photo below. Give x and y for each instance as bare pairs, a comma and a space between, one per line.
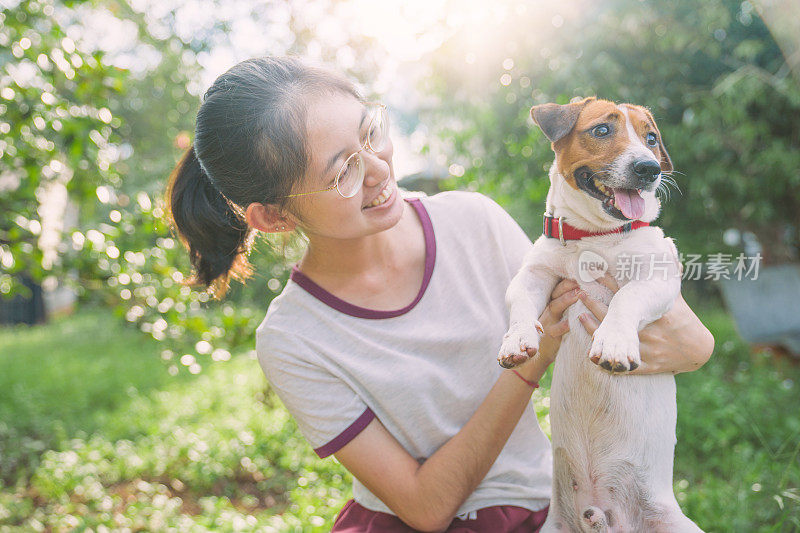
347, 308
556, 228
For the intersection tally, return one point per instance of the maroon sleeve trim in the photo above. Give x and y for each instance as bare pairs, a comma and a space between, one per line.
347, 435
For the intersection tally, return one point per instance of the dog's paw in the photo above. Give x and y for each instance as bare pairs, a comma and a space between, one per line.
615, 349
520, 343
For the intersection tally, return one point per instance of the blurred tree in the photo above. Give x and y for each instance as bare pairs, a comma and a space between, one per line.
712, 74
55, 128
115, 159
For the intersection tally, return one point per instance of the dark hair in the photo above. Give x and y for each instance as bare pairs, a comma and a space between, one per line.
249, 146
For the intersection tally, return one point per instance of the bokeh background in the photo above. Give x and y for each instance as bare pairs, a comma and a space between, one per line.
129, 401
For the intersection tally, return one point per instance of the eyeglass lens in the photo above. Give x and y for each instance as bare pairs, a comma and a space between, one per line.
351, 176
376, 137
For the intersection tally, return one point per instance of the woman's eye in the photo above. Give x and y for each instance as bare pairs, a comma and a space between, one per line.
651, 138
601, 130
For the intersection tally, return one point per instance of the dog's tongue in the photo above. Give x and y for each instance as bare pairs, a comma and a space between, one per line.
629, 202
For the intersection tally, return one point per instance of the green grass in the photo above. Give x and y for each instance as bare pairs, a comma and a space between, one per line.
737, 461
59, 380
95, 432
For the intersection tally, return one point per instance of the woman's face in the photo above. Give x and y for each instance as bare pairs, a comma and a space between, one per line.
337, 126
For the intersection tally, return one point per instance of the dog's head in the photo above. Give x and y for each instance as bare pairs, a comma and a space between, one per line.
610, 155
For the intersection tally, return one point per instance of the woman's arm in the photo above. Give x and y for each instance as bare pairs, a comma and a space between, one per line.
676, 342
427, 496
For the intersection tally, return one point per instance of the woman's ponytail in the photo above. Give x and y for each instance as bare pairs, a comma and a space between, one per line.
211, 228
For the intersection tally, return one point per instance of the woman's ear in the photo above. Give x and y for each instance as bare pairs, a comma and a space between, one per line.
268, 218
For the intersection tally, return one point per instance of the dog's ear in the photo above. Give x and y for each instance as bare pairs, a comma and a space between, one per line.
557, 120
666, 162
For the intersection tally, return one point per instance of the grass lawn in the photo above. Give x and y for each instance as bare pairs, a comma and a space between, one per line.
95, 433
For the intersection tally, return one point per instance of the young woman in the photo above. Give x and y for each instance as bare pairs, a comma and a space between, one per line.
383, 343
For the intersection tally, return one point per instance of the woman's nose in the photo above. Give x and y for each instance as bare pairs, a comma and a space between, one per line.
376, 169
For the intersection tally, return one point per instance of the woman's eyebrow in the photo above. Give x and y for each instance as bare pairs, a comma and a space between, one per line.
341, 152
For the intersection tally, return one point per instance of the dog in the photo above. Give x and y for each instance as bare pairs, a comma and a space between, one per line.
613, 435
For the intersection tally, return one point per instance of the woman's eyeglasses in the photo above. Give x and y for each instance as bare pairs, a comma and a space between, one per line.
351, 175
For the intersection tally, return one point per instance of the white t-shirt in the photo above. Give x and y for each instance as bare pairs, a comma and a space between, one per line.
422, 370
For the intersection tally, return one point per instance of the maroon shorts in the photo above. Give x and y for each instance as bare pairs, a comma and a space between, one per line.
354, 518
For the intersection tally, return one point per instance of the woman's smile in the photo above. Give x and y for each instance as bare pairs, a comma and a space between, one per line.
385, 198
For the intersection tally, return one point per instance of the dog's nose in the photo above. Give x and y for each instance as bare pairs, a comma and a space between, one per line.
647, 170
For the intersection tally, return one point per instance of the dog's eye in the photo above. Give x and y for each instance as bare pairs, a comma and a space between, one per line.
601, 130
651, 138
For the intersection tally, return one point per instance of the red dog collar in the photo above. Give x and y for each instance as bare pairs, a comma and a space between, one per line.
556, 228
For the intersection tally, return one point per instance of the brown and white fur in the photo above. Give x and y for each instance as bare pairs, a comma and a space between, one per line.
613, 435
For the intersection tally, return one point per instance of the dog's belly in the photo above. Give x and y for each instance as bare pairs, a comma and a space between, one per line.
601, 419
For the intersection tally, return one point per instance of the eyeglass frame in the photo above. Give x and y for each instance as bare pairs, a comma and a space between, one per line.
367, 146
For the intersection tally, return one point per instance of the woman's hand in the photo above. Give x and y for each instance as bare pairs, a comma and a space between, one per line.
676, 342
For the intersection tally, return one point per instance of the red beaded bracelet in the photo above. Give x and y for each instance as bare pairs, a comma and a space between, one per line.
531, 383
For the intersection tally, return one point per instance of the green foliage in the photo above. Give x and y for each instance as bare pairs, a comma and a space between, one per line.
55, 127
135, 268
714, 78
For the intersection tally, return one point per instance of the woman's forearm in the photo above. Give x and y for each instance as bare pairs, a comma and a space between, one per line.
452, 473
680, 343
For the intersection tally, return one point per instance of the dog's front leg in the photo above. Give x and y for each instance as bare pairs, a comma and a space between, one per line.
615, 343
526, 297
